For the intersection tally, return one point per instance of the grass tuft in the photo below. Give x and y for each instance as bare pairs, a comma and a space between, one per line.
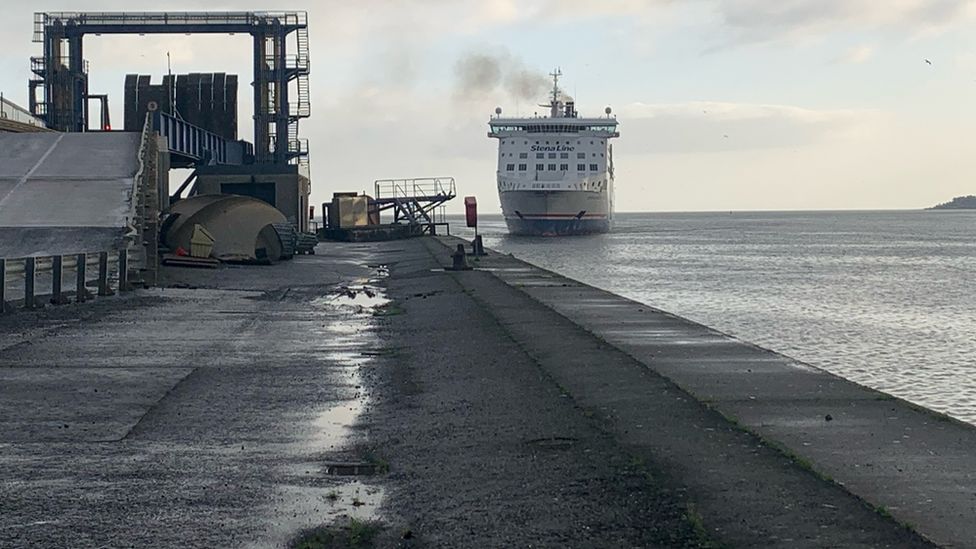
390, 309
381, 465
356, 534
697, 524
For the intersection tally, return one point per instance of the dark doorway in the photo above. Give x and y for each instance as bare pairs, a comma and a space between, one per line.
261, 191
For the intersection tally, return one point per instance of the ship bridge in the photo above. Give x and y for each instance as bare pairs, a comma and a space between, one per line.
589, 127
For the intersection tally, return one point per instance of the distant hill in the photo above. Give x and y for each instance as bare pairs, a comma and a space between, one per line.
958, 203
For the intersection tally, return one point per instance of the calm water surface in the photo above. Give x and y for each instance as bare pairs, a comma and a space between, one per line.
887, 299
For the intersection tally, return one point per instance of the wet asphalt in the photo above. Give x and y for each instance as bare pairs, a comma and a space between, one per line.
200, 416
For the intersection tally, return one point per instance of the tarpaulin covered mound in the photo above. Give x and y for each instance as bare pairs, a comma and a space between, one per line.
242, 227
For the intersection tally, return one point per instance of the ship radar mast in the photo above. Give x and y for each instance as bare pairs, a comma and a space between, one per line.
555, 84
554, 104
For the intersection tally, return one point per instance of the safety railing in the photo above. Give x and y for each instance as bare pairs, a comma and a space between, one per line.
22, 280
417, 188
13, 112
168, 18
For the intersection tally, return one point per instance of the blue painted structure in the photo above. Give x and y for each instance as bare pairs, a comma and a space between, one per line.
191, 145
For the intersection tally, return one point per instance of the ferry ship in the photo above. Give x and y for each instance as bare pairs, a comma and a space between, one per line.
555, 172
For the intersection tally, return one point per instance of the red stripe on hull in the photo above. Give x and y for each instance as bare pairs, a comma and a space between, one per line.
562, 216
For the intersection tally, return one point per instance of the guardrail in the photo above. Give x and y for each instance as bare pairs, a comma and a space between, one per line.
13, 112
95, 22
24, 272
416, 188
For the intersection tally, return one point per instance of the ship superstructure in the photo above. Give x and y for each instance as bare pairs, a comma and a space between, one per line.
555, 172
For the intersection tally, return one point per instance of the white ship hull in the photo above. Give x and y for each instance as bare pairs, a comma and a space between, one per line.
556, 212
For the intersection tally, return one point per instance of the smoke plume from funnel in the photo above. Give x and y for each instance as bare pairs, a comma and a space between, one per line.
486, 74
478, 73
524, 83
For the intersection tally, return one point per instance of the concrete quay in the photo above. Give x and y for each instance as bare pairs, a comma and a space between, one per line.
913, 464
504, 406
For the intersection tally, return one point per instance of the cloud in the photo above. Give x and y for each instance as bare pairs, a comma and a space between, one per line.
856, 55
751, 21
703, 127
548, 11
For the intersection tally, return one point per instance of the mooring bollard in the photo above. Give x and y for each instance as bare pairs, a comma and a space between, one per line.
81, 264
57, 273
477, 246
30, 265
103, 289
460, 258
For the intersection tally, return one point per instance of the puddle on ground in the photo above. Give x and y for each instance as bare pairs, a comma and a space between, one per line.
345, 339
357, 296
299, 508
347, 314
333, 426
363, 499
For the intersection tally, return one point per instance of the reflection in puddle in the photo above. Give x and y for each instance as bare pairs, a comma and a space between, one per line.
345, 340
361, 295
333, 425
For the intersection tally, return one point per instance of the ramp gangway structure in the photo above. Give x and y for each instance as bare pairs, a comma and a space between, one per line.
414, 201
191, 145
62, 72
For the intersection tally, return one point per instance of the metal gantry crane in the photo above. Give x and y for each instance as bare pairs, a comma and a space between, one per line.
62, 72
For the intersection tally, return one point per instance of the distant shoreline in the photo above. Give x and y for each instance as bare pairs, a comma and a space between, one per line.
957, 203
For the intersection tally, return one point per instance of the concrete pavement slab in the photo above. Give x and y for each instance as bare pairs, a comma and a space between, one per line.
79, 404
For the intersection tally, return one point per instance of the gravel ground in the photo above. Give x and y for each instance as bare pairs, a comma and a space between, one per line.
485, 450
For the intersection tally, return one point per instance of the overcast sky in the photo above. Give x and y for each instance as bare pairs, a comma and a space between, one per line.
826, 104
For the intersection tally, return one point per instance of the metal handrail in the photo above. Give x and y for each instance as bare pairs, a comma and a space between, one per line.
251, 18
15, 267
27, 269
13, 112
421, 187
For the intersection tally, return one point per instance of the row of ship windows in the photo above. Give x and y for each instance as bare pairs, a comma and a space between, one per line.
595, 184
552, 167
563, 156
553, 128
514, 143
